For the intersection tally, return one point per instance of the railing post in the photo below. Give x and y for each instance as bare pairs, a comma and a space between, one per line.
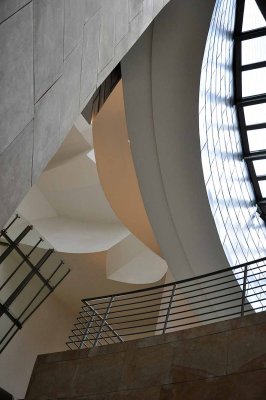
103, 321
169, 308
244, 290
87, 331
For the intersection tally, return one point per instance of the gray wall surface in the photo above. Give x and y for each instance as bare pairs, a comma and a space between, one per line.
242, 232
54, 54
161, 77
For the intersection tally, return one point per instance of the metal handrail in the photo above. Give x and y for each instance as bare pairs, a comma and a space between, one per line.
190, 302
179, 282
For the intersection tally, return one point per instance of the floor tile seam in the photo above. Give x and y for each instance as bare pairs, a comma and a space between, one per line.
216, 377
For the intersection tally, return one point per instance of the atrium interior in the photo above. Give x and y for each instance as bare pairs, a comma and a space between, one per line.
133, 194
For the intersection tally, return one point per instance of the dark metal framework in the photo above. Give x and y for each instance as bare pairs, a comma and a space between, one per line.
28, 274
101, 94
242, 103
220, 295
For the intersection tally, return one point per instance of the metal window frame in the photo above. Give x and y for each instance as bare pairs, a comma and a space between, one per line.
240, 102
34, 271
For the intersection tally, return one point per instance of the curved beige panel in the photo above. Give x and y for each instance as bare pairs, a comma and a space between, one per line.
116, 170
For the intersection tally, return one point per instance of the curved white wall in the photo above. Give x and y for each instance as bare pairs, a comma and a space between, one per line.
161, 76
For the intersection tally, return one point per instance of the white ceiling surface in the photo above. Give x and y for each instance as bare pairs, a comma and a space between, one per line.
68, 208
67, 205
131, 261
74, 236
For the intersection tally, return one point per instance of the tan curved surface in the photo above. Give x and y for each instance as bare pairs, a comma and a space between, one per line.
116, 169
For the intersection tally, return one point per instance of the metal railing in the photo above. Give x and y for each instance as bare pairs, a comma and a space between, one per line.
211, 297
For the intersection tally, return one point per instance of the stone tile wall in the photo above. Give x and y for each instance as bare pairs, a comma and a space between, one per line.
225, 360
54, 54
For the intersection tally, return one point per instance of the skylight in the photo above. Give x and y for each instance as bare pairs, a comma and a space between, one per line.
260, 167
250, 76
253, 18
257, 139
255, 114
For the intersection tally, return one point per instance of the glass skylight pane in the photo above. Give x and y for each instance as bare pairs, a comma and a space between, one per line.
260, 167
253, 82
253, 18
254, 50
257, 139
263, 188
255, 114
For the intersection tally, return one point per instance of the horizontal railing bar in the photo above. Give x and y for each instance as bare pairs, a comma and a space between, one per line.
201, 323
107, 324
183, 318
176, 294
208, 319
208, 297
177, 326
178, 312
129, 298
190, 297
162, 292
70, 337
178, 282
183, 298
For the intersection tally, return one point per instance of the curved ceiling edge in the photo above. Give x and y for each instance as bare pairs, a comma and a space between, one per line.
183, 224
116, 169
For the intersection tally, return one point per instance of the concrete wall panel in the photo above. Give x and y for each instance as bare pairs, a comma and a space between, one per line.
91, 7
15, 172
9, 7
46, 128
48, 44
73, 27
90, 56
107, 35
71, 90
16, 75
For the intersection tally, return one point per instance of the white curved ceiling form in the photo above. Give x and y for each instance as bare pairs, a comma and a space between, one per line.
67, 205
161, 79
131, 261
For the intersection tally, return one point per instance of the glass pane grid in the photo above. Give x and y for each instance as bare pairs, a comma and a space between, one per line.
263, 188
257, 139
253, 19
254, 82
253, 50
